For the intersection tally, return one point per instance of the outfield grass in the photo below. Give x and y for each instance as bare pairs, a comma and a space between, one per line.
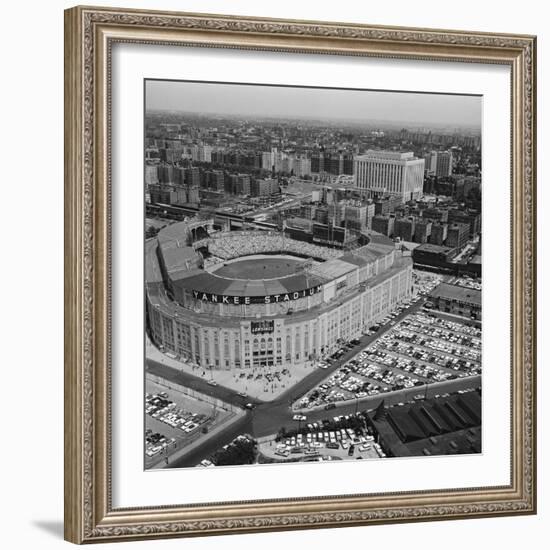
259, 268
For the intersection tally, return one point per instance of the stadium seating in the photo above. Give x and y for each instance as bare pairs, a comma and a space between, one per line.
247, 243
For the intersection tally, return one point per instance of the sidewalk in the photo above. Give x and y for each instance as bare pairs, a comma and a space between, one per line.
258, 387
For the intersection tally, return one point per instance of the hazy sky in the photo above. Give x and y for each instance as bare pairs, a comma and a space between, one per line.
317, 103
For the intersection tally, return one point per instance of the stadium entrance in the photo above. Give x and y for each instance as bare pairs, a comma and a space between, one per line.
263, 352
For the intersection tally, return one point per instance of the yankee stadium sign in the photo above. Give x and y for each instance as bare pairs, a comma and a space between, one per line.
246, 300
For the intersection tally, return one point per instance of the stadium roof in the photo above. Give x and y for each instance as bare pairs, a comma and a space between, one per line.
182, 263
378, 238
332, 269
355, 259
174, 232
178, 259
152, 269
210, 283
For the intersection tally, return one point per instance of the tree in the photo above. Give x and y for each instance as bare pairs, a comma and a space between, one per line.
239, 451
151, 232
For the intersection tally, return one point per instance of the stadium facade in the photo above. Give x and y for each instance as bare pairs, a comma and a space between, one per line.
253, 298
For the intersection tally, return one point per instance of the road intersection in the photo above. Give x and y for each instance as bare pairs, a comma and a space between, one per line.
268, 418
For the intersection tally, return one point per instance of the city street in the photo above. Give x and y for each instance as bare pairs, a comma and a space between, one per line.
268, 418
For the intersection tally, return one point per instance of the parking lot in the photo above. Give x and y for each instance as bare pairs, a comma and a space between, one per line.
390, 320
466, 282
420, 349
425, 281
330, 439
173, 421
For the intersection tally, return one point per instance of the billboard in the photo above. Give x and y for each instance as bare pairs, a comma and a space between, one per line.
246, 300
328, 234
261, 327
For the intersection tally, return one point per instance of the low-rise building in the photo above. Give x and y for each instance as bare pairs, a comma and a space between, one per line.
458, 300
432, 255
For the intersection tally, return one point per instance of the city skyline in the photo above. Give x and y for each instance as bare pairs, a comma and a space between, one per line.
313, 285
351, 105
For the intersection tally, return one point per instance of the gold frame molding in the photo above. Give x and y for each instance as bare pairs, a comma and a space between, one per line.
89, 35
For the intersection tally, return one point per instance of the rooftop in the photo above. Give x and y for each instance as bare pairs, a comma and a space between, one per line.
387, 155
333, 269
433, 248
434, 426
209, 283
463, 294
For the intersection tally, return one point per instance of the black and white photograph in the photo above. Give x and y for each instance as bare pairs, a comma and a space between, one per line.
312, 274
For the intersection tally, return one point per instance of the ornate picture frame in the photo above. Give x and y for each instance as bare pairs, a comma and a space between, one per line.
90, 34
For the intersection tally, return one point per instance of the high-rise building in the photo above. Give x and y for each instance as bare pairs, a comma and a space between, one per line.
151, 174
193, 194
422, 231
173, 155
332, 162
193, 153
165, 173
383, 224
159, 193
308, 210
179, 195
438, 233
354, 214
435, 214
192, 176
336, 213
317, 162
173, 144
265, 187
321, 215
441, 163
167, 194
389, 173
269, 160
301, 167
386, 205
215, 180
457, 235
179, 175
217, 156
404, 228
370, 214
240, 184
472, 218
205, 153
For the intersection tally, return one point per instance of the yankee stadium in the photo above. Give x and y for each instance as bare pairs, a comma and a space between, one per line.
255, 298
